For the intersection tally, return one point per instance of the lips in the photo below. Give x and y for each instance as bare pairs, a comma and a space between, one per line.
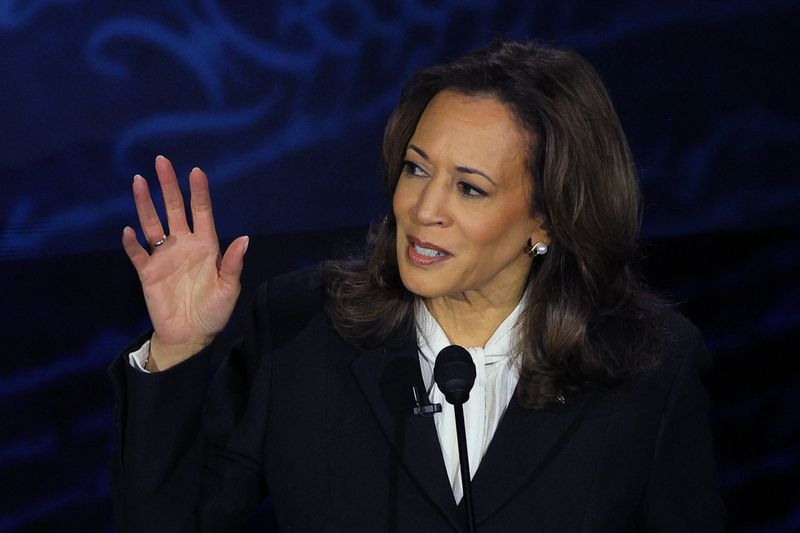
423, 253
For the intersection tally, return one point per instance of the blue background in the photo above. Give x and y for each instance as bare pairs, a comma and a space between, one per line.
283, 104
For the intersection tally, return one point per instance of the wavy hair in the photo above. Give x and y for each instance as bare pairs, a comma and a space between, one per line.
585, 291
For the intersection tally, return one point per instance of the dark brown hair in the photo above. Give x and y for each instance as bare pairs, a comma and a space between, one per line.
585, 188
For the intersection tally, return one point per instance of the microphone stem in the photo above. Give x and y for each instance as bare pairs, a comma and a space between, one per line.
463, 458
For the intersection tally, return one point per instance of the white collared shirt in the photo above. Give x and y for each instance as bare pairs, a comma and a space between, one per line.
497, 373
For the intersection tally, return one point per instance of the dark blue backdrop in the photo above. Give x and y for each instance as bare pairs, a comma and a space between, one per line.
283, 105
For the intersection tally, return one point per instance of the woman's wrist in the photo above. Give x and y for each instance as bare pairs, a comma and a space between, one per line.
163, 356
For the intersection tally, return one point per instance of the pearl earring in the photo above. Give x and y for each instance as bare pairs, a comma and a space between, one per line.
533, 250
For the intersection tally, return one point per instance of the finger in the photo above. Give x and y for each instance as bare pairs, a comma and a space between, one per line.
136, 253
173, 199
232, 262
148, 217
202, 216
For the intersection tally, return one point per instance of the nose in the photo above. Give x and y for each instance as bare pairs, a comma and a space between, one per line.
431, 207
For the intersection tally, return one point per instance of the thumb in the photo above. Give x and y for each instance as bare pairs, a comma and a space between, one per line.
230, 268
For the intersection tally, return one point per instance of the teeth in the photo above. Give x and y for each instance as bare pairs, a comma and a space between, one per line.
427, 251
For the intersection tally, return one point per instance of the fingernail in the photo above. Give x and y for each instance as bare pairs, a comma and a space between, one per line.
137, 177
246, 244
196, 169
159, 156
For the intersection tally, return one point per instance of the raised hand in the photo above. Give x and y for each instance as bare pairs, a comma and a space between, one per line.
190, 288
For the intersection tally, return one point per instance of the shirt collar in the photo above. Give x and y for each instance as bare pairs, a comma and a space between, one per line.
432, 339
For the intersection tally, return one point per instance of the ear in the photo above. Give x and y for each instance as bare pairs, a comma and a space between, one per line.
539, 233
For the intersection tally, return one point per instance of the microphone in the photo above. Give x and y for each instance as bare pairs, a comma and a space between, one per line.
425, 409
454, 374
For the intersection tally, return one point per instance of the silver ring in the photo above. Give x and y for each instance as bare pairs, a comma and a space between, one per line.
160, 241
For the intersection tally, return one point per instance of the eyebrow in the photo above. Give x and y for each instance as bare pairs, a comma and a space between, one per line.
463, 170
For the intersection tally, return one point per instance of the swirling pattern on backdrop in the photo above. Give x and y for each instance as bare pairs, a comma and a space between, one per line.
287, 101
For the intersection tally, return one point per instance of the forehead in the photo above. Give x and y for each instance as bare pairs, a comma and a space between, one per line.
472, 130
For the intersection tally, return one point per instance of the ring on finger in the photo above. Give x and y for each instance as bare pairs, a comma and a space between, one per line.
159, 242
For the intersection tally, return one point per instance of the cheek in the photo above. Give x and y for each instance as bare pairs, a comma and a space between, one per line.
498, 237
399, 210
397, 201
403, 200
396, 207
486, 232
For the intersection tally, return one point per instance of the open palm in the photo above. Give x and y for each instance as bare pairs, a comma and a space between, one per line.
190, 288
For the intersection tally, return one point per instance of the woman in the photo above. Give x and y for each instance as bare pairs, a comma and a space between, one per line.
512, 232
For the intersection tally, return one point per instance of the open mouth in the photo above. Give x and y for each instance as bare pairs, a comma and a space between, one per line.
428, 252
423, 253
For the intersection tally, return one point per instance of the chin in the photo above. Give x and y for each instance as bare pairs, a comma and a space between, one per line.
424, 284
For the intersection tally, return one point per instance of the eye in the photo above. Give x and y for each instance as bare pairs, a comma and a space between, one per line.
409, 167
467, 189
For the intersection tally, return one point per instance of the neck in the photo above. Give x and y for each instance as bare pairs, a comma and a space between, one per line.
470, 319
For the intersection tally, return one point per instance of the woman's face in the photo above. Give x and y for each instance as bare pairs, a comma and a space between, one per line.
462, 202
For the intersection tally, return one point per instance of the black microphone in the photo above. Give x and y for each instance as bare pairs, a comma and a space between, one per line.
454, 373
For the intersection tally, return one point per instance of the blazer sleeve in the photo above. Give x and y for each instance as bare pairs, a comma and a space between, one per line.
180, 466
682, 493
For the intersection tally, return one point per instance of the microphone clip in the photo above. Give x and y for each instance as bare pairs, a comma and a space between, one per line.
427, 409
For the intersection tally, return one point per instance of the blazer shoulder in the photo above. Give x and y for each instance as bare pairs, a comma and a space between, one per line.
681, 339
673, 351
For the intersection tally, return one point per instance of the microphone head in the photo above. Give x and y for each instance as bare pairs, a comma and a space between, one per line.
454, 373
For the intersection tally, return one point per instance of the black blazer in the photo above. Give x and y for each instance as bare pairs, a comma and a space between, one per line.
327, 430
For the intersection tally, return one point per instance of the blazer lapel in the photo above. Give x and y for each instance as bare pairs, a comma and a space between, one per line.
386, 376
521, 444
